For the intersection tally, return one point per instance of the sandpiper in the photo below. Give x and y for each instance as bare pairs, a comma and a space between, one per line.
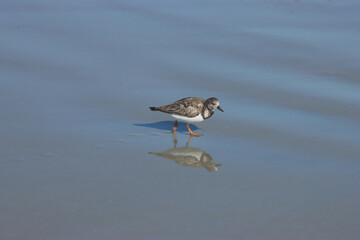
190, 110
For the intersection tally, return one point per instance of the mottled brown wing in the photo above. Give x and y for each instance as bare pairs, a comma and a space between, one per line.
192, 101
190, 107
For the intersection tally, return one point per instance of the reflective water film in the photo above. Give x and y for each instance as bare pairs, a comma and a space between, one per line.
83, 157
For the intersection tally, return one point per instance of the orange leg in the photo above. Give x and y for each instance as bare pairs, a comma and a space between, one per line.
191, 133
175, 126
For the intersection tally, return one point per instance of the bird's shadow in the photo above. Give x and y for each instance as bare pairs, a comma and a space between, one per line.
167, 126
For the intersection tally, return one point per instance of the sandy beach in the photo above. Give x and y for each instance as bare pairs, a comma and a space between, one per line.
83, 157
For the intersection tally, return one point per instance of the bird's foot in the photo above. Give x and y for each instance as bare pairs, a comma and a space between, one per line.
191, 132
196, 135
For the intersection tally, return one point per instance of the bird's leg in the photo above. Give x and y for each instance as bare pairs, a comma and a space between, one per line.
175, 126
191, 133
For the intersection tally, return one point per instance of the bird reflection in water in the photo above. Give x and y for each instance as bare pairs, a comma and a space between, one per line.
189, 156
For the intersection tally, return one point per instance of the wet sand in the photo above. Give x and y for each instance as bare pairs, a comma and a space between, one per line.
82, 157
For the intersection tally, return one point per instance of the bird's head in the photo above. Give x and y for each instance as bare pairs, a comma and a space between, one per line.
212, 104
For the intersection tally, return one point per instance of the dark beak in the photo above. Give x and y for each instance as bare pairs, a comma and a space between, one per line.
220, 108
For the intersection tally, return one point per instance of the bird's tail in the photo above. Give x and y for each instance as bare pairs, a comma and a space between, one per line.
153, 108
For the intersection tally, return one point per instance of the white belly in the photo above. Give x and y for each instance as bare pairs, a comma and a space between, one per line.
198, 118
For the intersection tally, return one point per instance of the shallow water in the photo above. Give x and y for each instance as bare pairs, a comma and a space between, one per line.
82, 157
